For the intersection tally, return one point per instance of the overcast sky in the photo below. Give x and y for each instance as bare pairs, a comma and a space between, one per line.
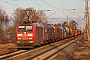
56, 6
59, 8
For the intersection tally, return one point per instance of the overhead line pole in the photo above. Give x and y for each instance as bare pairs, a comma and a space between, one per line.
87, 29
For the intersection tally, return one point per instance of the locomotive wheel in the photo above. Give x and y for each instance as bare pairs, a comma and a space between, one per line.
42, 44
56, 40
45, 42
35, 46
38, 45
49, 42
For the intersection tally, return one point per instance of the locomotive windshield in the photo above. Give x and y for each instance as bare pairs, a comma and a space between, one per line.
28, 28
24, 28
21, 28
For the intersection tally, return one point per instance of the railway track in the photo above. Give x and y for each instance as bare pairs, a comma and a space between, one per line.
6, 55
48, 55
46, 52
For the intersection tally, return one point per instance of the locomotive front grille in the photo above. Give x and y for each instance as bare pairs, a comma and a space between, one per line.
24, 42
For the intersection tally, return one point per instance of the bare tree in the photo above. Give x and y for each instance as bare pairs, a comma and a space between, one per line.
60, 24
41, 16
65, 24
2, 13
4, 20
29, 14
18, 16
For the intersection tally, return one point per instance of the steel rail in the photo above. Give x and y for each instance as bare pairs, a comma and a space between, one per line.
46, 55
30, 54
11, 54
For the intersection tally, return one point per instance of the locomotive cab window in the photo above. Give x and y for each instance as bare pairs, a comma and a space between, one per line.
28, 28
21, 28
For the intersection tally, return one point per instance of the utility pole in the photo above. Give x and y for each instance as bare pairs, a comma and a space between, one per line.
87, 29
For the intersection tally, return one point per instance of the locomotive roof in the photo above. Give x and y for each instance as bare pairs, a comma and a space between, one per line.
37, 24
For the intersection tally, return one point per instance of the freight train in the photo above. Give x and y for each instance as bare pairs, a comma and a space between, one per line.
36, 34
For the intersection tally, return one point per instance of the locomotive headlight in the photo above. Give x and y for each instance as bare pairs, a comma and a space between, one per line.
30, 41
30, 38
19, 38
19, 34
18, 41
29, 34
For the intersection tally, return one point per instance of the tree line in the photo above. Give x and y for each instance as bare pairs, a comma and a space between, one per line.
20, 15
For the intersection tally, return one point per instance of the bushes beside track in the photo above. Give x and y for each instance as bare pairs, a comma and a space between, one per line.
7, 37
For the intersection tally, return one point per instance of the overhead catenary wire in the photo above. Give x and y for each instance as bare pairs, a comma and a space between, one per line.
57, 8
51, 14
71, 12
10, 3
35, 0
62, 4
39, 5
15, 4
63, 7
52, 6
80, 18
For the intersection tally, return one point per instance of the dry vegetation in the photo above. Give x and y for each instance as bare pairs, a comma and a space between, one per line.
9, 47
83, 53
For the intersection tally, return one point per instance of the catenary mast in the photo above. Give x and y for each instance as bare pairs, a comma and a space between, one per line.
87, 29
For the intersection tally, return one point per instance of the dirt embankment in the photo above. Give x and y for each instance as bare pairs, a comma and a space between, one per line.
4, 48
83, 53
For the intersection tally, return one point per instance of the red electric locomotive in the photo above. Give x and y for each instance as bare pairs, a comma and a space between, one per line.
27, 34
